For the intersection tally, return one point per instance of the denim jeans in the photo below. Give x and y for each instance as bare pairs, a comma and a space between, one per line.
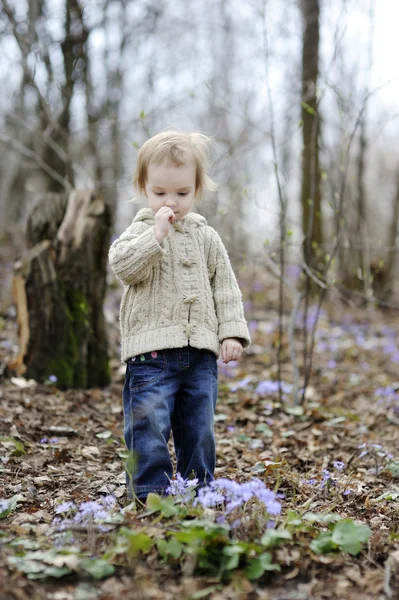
174, 389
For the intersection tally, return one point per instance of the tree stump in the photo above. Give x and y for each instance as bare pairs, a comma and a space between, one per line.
59, 288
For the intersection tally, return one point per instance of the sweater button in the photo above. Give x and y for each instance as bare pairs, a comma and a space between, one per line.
186, 262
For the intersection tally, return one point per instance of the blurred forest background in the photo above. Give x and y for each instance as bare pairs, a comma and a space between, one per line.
300, 99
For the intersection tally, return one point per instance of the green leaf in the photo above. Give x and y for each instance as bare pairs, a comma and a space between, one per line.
19, 449
259, 565
232, 562
171, 548
26, 544
234, 552
97, 567
218, 528
191, 538
296, 411
165, 506
272, 537
142, 115
323, 543
265, 429
349, 535
388, 496
293, 519
26, 566
321, 518
53, 572
138, 542
205, 592
393, 468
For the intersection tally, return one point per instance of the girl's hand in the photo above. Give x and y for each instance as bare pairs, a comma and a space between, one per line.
231, 349
163, 218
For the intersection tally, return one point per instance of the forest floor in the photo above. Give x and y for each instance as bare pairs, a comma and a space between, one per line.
334, 460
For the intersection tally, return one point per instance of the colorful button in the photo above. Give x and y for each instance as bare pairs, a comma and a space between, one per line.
133, 358
154, 354
142, 357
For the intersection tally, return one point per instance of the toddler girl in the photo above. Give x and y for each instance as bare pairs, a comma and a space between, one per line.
181, 301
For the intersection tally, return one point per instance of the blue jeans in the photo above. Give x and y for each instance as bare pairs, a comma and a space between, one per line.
174, 389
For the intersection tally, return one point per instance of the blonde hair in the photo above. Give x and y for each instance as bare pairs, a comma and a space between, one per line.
177, 147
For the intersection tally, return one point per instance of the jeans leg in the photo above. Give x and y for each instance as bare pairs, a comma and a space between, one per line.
147, 425
193, 418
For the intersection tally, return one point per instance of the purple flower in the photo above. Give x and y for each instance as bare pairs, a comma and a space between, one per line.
182, 488
234, 494
242, 384
64, 507
293, 271
339, 465
310, 482
252, 326
347, 492
221, 519
236, 523
258, 286
109, 501
268, 387
43, 440
53, 378
226, 369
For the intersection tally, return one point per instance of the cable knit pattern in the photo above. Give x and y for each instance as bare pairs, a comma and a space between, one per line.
183, 292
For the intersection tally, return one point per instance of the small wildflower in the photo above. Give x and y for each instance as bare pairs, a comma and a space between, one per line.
347, 492
53, 378
310, 482
64, 507
182, 488
339, 465
109, 501
43, 440
221, 519
236, 523
234, 494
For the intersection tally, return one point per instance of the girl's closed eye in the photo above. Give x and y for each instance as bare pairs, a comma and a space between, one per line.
163, 193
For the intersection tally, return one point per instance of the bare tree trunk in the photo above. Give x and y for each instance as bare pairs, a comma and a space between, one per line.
310, 192
59, 289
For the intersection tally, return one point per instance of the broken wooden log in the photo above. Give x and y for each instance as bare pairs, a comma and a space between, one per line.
59, 287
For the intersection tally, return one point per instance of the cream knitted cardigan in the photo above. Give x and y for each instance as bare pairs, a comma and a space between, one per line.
183, 292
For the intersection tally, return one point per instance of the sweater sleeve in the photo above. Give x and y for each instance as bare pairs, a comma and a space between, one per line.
227, 297
133, 254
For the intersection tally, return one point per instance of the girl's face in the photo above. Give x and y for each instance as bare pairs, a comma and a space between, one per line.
171, 186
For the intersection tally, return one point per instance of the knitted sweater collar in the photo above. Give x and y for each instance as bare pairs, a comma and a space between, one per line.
190, 221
